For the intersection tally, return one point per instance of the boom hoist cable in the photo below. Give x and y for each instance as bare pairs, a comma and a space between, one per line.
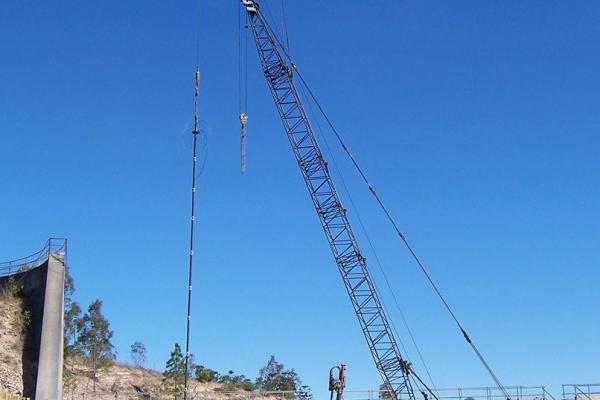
394, 369
395, 226
378, 262
402, 237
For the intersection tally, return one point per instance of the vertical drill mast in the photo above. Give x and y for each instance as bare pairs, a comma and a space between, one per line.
348, 257
192, 220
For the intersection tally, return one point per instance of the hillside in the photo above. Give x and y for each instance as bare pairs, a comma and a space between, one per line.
128, 382
12, 341
119, 381
122, 380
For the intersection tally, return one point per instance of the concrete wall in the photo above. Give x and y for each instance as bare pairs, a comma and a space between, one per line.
50, 364
43, 292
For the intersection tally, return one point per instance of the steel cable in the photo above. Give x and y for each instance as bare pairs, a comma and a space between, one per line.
400, 234
393, 222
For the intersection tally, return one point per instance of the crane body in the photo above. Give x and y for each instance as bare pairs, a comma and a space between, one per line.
351, 263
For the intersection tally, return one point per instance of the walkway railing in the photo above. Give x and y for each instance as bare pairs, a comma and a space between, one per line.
474, 393
468, 393
581, 391
53, 245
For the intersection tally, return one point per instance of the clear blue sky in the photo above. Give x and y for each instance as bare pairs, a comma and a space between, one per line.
477, 121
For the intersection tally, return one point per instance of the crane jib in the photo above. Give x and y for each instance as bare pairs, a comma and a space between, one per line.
332, 215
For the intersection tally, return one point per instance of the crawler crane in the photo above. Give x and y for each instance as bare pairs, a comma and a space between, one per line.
395, 371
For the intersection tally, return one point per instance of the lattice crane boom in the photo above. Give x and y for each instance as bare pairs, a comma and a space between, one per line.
332, 215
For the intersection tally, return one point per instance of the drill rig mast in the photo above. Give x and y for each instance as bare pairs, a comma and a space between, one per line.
392, 367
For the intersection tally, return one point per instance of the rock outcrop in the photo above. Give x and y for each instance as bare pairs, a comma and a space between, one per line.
12, 339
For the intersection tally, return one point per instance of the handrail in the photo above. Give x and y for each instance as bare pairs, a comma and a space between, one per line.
53, 245
477, 393
457, 393
574, 390
582, 392
547, 394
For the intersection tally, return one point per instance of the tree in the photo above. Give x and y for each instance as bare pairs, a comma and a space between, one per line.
174, 375
72, 319
94, 339
232, 382
204, 374
274, 377
69, 286
137, 352
72, 316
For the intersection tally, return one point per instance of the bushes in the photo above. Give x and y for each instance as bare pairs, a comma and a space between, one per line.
233, 383
12, 290
204, 374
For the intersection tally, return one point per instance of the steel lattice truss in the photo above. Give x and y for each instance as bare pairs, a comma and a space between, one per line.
352, 265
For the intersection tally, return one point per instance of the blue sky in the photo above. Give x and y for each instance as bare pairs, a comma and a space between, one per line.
477, 121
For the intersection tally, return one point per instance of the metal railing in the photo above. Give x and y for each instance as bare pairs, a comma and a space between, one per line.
581, 391
472, 393
53, 245
459, 393
194, 395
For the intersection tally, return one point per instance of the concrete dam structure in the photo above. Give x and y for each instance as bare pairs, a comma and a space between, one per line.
41, 279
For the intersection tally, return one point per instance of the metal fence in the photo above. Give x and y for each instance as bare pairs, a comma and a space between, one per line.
473, 393
581, 391
53, 245
194, 395
467, 393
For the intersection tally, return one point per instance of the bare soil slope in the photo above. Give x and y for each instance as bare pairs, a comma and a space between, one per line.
11, 344
122, 381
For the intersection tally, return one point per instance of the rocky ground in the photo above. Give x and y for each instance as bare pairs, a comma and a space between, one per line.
122, 381
11, 345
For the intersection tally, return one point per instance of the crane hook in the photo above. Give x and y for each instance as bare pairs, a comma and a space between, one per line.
243, 120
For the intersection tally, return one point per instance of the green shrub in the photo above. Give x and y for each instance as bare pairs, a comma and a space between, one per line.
204, 374
233, 383
12, 290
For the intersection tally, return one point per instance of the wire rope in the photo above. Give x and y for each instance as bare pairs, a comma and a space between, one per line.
372, 247
392, 220
403, 237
